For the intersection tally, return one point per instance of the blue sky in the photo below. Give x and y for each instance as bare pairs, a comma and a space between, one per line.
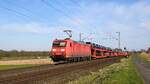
34, 24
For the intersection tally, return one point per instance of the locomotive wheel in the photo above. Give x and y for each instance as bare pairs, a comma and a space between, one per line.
87, 58
74, 59
81, 59
78, 59
69, 60
90, 58
127, 56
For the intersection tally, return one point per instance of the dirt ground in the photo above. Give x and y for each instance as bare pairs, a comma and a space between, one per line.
30, 61
143, 68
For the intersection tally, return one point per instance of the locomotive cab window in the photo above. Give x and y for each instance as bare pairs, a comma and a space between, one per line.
59, 44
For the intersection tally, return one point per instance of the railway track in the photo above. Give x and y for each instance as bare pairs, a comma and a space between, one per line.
53, 74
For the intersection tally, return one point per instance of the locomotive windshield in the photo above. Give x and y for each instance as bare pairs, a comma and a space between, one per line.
59, 44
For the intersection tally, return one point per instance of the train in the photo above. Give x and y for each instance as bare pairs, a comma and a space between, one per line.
73, 51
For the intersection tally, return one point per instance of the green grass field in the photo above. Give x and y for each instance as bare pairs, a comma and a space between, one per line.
145, 57
118, 73
6, 67
126, 76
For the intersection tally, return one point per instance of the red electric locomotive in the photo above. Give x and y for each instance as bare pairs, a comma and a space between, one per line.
69, 50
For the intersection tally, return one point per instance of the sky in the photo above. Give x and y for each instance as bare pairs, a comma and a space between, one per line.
32, 25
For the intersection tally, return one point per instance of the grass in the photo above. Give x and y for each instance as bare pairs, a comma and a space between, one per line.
126, 76
118, 73
7, 67
145, 57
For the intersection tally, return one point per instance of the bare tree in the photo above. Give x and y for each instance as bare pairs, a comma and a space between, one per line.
148, 50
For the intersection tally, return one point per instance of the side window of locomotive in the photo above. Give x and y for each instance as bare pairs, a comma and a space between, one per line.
70, 44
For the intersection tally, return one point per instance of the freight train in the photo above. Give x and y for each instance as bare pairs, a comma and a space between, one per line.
72, 51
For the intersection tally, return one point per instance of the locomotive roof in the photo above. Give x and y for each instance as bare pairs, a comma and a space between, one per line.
81, 42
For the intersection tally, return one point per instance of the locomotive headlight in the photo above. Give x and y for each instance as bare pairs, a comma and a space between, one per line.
62, 50
53, 49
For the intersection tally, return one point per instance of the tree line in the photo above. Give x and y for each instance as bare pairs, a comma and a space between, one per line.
15, 53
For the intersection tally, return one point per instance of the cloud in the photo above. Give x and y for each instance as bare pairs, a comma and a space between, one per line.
25, 28
103, 20
132, 20
39, 29
35, 28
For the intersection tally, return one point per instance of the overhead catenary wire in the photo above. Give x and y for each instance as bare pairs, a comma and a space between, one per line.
90, 28
29, 17
10, 2
83, 25
24, 8
22, 14
76, 3
79, 6
59, 10
67, 15
49, 4
62, 12
16, 12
